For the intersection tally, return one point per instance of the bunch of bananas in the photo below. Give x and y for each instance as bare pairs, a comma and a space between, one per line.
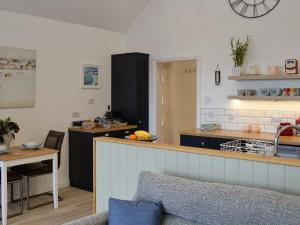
142, 135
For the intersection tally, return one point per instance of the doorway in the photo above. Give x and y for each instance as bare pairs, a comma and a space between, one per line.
176, 99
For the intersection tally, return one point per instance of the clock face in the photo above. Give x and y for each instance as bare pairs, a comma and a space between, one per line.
253, 8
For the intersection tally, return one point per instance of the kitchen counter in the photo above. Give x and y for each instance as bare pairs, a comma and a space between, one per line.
102, 129
81, 152
203, 151
118, 163
230, 134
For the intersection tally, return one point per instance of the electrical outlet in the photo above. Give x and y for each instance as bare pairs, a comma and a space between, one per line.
75, 114
207, 98
91, 101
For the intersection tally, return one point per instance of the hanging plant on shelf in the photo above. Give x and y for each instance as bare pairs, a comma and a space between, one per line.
239, 50
8, 129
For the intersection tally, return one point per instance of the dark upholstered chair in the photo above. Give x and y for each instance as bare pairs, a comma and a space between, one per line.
13, 178
54, 140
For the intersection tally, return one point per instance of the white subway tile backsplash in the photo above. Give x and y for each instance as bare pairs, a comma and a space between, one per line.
238, 119
270, 129
244, 112
285, 114
205, 111
202, 118
243, 126
264, 121
222, 119
257, 113
231, 126
210, 118
231, 118
261, 128
287, 120
276, 120
218, 112
231, 112
250, 120
272, 114
234, 119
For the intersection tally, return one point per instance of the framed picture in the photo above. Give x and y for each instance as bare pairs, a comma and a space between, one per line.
17, 77
90, 76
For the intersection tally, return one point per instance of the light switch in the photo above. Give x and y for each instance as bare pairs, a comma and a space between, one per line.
91, 101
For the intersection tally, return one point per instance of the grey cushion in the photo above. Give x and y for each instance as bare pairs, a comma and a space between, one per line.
97, 219
219, 204
175, 220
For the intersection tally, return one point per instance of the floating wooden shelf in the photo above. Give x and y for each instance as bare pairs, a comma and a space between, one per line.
266, 98
265, 77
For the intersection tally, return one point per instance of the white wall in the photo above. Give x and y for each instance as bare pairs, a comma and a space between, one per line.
176, 28
61, 49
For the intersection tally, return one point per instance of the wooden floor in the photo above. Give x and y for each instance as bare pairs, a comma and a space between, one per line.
76, 204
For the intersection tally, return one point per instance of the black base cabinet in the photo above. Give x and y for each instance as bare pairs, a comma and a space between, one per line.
202, 142
81, 156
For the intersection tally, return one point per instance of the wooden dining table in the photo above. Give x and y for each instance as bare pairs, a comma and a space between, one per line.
18, 156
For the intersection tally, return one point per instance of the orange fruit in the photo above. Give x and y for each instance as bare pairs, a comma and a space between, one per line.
132, 137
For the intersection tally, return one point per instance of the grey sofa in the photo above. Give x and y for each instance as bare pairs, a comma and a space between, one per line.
188, 202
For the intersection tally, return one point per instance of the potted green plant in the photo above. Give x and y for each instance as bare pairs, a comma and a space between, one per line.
239, 50
8, 129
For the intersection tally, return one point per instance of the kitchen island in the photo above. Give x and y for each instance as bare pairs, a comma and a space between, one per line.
117, 163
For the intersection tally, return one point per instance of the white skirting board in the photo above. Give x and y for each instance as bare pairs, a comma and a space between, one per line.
118, 167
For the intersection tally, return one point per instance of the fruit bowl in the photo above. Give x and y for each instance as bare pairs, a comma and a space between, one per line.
141, 135
151, 139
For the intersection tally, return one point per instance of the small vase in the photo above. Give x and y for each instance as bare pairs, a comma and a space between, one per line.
7, 140
237, 71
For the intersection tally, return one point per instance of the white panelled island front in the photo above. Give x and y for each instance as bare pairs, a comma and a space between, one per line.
118, 162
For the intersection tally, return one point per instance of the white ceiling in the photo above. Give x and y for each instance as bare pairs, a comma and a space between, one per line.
114, 15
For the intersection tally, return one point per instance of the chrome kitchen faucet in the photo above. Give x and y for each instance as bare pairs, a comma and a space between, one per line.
278, 135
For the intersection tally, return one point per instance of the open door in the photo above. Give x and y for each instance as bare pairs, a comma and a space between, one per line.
176, 99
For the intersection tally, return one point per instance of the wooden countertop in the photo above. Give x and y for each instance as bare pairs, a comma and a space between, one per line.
101, 129
230, 134
204, 151
17, 153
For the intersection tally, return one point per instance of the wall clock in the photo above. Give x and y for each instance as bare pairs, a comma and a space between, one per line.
253, 8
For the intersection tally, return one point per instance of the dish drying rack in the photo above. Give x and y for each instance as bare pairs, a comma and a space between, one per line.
249, 147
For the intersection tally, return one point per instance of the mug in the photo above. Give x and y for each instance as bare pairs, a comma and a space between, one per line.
264, 91
275, 91
275, 70
294, 92
241, 92
286, 91
255, 128
248, 92
246, 128
255, 69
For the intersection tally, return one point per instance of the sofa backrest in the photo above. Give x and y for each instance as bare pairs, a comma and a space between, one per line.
218, 204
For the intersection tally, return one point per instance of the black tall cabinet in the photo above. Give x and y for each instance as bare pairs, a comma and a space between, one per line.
130, 88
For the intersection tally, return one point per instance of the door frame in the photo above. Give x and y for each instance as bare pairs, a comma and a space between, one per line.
153, 80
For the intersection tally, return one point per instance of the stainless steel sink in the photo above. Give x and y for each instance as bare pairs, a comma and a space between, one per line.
292, 152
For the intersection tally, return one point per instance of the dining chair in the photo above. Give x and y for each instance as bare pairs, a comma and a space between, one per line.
13, 178
54, 140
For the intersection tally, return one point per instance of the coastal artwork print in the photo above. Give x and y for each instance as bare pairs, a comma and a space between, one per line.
90, 76
17, 77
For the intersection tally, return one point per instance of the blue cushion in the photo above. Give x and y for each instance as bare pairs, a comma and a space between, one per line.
134, 213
